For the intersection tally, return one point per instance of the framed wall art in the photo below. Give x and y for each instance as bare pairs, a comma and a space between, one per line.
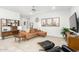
55, 21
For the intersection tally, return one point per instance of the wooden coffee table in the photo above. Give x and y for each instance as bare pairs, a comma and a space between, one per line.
20, 37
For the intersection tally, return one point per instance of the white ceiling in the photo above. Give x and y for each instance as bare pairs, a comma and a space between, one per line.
26, 10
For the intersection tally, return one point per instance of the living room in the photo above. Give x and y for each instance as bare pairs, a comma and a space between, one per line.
46, 23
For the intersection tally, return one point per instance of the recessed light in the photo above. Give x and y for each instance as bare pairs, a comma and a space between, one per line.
31, 13
54, 7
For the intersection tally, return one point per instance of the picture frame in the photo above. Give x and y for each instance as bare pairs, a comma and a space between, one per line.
48, 22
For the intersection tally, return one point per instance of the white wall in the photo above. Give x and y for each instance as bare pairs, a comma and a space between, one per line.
75, 9
26, 25
4, 13
53, 31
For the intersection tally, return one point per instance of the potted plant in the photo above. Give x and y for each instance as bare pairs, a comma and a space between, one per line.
64, 30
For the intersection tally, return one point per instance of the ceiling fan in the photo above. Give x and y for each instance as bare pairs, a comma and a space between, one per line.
33, 10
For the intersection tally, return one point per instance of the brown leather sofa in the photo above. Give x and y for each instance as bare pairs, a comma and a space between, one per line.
32, 33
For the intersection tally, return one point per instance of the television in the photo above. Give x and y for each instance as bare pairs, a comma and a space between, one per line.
74, 23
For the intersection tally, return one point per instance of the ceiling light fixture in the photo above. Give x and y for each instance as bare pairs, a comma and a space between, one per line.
33, 10
54, 7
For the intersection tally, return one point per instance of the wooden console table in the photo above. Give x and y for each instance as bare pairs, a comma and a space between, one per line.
9, 33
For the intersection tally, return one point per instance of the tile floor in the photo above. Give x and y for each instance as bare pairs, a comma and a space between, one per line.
9, 44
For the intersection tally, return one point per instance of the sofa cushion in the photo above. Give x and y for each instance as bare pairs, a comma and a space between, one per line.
28, 30
32, 30
42, 33
23, 33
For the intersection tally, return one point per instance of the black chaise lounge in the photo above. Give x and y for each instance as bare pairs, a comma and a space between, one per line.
48, 46
64, 48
